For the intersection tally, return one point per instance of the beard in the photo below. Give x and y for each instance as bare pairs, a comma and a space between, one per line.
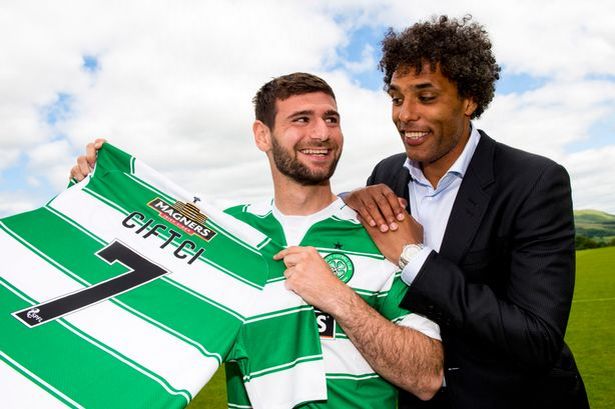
297, 171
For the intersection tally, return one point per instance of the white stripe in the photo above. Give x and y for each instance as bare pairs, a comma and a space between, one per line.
153, 377
421, 324
275, 297
20, 392
280, 314
341, 357
234, 405
201, 277
171, 330
277, 367
354, 378
288, 388
347, 252
176, 361
370, 274
22, 260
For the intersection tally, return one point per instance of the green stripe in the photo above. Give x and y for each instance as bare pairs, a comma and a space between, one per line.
71, 364
281, 368
151, 187
283, 345
202, 297
37, 381
376, 256
168, 330
42, 255
123, 358
286, 311
74, 224
353, 377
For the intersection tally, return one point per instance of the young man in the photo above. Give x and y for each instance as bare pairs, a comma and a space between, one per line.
488, 252
298, 127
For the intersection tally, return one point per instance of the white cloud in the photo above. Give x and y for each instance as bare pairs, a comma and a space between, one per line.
175, 82
53, 160
593, 178
16, 202
547, 119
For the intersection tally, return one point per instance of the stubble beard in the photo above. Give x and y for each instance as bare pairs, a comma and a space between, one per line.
297, 171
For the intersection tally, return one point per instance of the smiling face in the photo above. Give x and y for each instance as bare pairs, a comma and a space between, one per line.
306, 141
433, 121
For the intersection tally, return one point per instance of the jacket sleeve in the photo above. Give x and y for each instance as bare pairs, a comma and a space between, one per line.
525, 316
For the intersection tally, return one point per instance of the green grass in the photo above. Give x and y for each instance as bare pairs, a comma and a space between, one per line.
590, 335
213, 395
591, 329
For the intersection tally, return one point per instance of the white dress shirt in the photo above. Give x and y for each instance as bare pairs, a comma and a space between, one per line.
431, 207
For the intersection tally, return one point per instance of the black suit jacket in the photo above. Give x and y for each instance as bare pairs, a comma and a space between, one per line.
501, 285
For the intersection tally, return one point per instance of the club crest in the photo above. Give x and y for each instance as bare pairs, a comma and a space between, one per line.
341, 265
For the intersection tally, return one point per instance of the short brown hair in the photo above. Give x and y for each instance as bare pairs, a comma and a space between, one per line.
282, 88
461, 49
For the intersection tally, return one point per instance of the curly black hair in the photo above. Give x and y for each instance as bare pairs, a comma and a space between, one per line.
284, 87
460, 48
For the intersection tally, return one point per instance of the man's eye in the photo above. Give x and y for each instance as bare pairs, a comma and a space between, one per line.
301, 119
332, 120
396, 100
427, 98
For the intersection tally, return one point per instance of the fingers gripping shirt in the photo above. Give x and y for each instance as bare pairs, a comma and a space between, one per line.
127, 291
353, 257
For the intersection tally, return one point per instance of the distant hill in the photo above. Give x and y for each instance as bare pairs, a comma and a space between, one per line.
595, 224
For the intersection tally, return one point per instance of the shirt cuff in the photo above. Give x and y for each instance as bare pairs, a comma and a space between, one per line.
409, 273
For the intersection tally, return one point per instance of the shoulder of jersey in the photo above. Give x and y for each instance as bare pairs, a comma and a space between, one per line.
259, 209
346, 214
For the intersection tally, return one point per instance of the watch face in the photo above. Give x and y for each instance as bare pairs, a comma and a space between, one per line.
409, 251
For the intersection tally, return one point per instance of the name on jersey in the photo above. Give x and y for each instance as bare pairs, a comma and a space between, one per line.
147, 228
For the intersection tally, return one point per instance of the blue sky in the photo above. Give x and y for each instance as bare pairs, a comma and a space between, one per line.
172, 84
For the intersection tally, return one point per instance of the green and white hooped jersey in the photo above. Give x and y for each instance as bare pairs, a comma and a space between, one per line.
354, 258
127, 291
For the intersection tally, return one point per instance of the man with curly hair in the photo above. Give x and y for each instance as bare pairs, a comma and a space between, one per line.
488, 252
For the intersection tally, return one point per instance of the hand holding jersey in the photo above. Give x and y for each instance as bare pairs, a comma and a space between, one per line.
309, 275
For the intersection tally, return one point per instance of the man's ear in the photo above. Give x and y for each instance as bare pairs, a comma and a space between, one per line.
469, 107
262, 136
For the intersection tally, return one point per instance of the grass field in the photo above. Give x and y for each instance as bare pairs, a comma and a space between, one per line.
590, 335
591, 329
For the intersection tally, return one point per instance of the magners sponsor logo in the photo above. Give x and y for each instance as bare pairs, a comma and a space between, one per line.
186, 216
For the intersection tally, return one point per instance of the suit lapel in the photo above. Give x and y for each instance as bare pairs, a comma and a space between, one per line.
401, 186
471, 202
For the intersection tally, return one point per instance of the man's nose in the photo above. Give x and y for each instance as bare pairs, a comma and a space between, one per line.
408, 111
319, 130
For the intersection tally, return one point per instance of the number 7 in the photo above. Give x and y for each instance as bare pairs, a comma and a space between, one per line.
141, 271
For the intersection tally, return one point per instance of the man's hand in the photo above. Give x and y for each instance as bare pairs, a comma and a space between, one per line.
85, 163
310, 277
378, 206
390, 244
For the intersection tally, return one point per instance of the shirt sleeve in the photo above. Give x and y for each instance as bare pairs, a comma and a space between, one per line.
390, 309
413, 267
280, 347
